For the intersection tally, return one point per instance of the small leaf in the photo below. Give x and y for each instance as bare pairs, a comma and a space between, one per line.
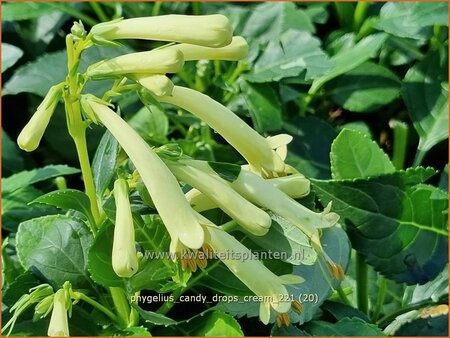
365, 88
351, 58
217, 324
154, 318
151, 123
263, 105
10, 55
425, 91
344, 327
100, 258
355, 155
56, 247
227, 171
409, 20
26, 178
295, 54
104, 162
68, 199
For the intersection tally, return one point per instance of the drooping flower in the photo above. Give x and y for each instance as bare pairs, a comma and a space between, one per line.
257, 150
204, 30
158, 84
249, 216
124, 256
236, 50
158, 61
59, 326
253, 273
31, 135
183, 224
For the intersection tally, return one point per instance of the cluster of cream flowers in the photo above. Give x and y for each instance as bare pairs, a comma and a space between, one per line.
265, 183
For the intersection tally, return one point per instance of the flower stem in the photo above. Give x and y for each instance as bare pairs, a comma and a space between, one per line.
99, 11
96, 304
400, 143
121, 305
360, 14
382, 288
362, 291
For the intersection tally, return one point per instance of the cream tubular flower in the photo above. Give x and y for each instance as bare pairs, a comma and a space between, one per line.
124, 256
249, 216
158, 61
31, 135
204, 30
252, 273
59, 326
253, 147
236, 50
158, 84
180, 220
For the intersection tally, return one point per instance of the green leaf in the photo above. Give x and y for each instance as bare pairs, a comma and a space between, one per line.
100, 258
68, 199
154, 318
263, 105
49, 69
340, 311
12, 160
425, 327
351, 58
295, 54
318, 282
425, 91
393, 219
10, 55
365, 88
269, 20
152, 275
227, 171
409, 19
289, 331
443, 181
344, 327
56, 247
283, 237
217, 324
151, 123
104, 162
17, 11
433, 290
135, 331
26, 178
309, 152
355, 155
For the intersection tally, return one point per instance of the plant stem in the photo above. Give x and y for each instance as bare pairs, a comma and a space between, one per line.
96, 304
156, 8
196, 8
229, 226
386, 320
343, 296
400, 143
361, 283
420, 154
345, 11
121, 305
360, 14
99, 11
382, 287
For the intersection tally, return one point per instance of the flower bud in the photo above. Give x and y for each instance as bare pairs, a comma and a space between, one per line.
124, 257
236, 50
159, 61
59, 326
204, 30
31, 135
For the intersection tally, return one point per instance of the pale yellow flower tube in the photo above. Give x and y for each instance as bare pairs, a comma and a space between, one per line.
158, 61
59, 326
158, 84
124, 256
249, 216
252, 272
252, 146
205, 30
31, 135
236, 50
179, 218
